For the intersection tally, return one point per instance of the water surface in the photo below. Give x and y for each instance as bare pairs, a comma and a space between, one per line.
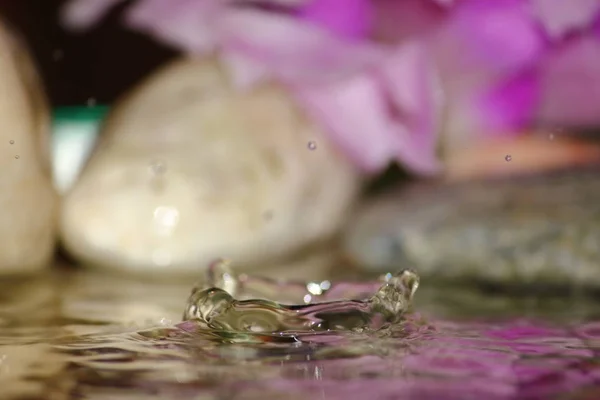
79, 335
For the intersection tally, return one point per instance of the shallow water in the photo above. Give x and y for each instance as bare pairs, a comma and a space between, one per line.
79, 335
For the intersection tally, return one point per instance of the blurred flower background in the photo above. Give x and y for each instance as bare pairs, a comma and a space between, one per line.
268, 118
392, 80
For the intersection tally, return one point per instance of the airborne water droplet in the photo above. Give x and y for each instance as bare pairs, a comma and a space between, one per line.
508, 157
17, 157
312, 145
91, 102
11, 142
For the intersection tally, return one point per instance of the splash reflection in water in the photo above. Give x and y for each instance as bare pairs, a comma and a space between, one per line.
78, 335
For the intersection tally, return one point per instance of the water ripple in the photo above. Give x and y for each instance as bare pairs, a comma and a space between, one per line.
124, 341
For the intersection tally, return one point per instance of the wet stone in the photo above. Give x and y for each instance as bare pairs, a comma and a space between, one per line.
219, 161
540, 230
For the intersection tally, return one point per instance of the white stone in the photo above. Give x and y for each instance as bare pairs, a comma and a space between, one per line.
188, 169
28, 202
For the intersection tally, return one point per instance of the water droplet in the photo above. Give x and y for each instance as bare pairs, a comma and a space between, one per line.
312, 145
314, 288
396, 294
158, 167
551, 136
219, 275
11, 142
91, 102
508, 157
17, 157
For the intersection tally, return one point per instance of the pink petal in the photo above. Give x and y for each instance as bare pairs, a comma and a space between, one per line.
445, 3
294, 51
84, 14
355, 115
563, 90
510, 106
347, 18
479, 45
377, 108
561, 17
596, 27
277, 3
570, 82
410, 80
190, 25
498, 36
405, 19
374, 118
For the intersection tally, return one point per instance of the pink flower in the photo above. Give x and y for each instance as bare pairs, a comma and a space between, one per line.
376, 74
561, 87
560, 18
376, 101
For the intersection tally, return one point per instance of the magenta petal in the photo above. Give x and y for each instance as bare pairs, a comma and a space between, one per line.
484, 36
378, 111
84, 14
562, 17
445, 3
409, 79
295, 51
596, 27
406, 19
570, 78
347, 18
255, 42
355, 116
190, 25
511, 105
358, 117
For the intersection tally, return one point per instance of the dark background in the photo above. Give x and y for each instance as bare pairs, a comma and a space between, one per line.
100, 64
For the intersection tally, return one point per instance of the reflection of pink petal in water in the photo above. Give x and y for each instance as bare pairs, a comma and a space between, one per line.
520, 330
548, 376
532, 370
561, 381
540, 349
457, 362
590, 330
421, 388
452, 360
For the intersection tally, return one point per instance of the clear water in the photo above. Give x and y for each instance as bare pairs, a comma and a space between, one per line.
78, 335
